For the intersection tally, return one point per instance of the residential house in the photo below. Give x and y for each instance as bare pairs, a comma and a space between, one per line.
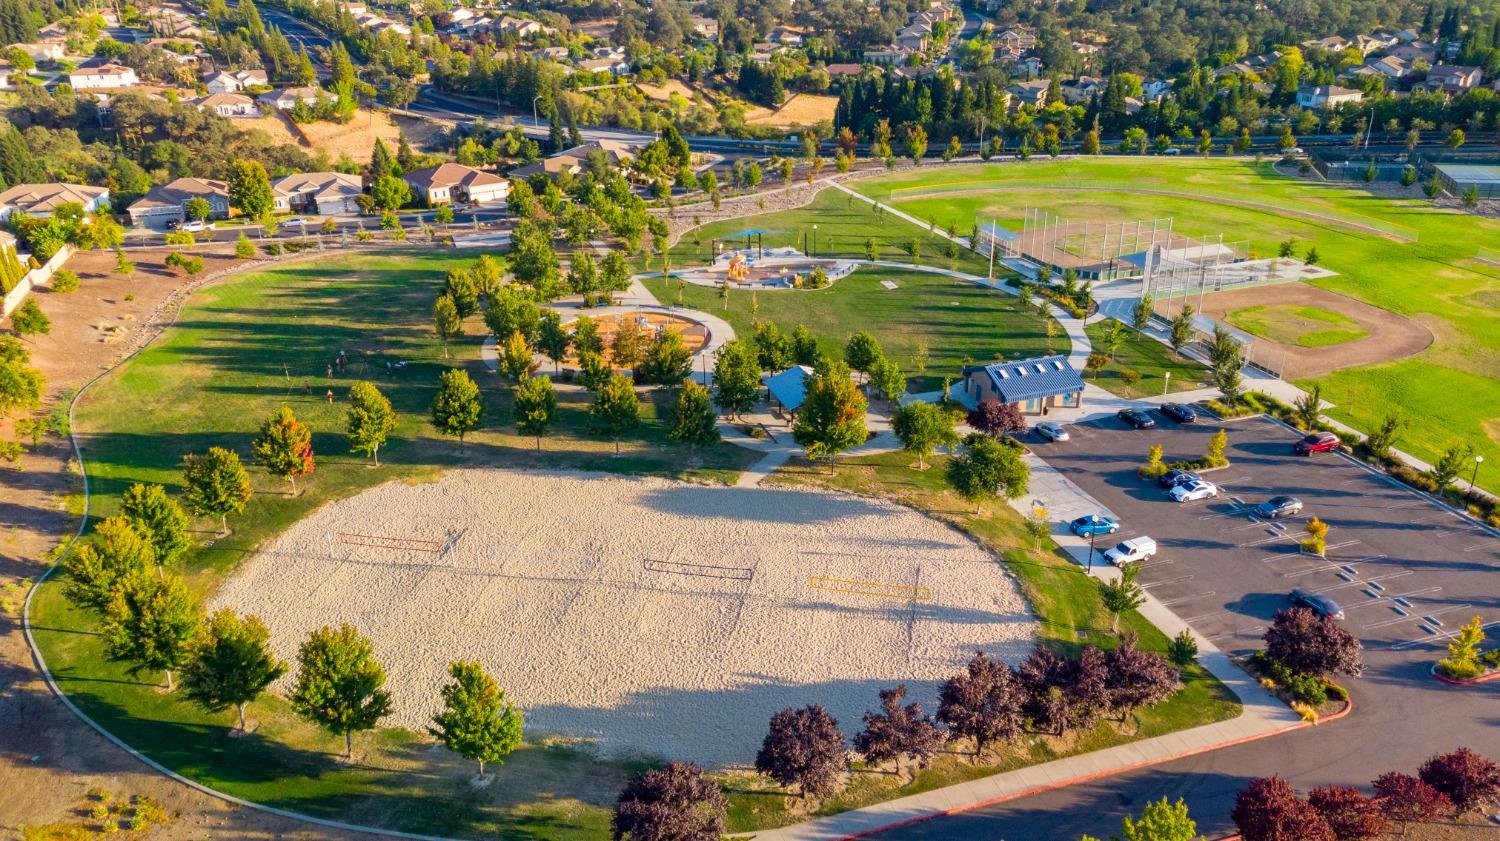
914, 37
103, 76
229, 105
1374, 43
452, 182
617, 66
1406, 36
1079, 91
1034, 386
558, 54
786, 37
844, 70
1015, 37
1033, 93
42, 51
706, 28
1327, 96
1452, 79
522, 27
1414, 51
168, 202
287, 98
1086, 50
1029, 66
886, 55
226, 81
1390, 68
44, 199
324, 193
1333, 43
1153, 90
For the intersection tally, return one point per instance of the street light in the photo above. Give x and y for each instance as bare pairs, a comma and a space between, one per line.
1478, 460
1166, 384
814, 242
535, 121
1093, 535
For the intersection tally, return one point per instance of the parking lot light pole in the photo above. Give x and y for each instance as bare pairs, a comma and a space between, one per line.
1474, 480
1166, 384
1093, 535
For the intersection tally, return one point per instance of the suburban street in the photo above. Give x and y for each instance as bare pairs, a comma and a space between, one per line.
1396, 562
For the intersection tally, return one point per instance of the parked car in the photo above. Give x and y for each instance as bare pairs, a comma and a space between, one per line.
1136, 418
301, 221
1131, 551
1179, 412
1051, 431
195, 225
1174, 477
1278, 506
1092, 524
1190, 491
1317, 603
1317, 442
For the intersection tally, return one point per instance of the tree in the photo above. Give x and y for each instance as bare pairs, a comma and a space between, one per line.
1311, 644
461, 286
250, 188
916, 143
862, 351
668, 360
197, 208
694, 422
535, 407
217, 484
284, 446
1181, 330
158, 519
986, 468
803, 748
922, 428
1453, 459
118, 552
1384, 437
390, 193
897, 731
244, 249
150, 623
1138, 678
1122, 593
1351, 815
1112, 338
552, 339
1467, 779
339, 684
983, 703
616, 409
677, 802
995, 419
446, 321
230, 664
1268, 810
736, 378
370, 420
628, 345
476, 721
1463, 650
1047, 679
1183, 649
832, 417
511, 310
1161, 821
1406, 799
773, 348
456, 408
29, 320
1309, 406
1214, 456
514, 357
1455, 139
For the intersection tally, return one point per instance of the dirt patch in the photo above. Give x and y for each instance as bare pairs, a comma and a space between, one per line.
804, 109
357, 137
1391, 336
48, 758
658, 617
664, 93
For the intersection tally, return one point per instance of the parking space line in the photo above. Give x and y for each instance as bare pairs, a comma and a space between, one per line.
1364, 582
1296, 573
1264, 540
1194, 620
1178, 601
1432, 638
1427, 617
1167, 581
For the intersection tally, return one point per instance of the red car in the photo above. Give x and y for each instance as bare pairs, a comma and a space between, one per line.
1318, 442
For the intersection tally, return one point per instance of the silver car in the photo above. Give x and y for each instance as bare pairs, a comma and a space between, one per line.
1051, 431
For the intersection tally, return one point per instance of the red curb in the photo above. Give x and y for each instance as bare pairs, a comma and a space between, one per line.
1485, 678
905, 822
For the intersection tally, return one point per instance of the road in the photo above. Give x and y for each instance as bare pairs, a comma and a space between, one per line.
1226, 574
491, 219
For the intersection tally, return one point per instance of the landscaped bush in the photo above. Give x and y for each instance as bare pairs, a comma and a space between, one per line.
1307, 689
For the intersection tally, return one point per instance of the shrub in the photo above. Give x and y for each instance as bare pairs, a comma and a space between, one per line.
66, 280
1458, 670
1130, 377
1336, 692
1183, 649
272, 248
1309, 714
1308, 689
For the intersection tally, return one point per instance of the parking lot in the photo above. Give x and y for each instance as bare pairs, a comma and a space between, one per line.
1406, 571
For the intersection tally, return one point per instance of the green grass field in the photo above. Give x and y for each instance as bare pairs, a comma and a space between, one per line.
1400, 254
241, 349
1149, 358
955, 320
1293, 324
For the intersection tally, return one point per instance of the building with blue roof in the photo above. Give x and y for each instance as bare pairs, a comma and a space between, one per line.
1031, 385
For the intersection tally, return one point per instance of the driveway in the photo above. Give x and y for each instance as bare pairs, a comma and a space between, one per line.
1406, 572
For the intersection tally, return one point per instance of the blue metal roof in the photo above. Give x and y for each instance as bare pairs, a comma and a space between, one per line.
748, 232
1031, 379
789, 387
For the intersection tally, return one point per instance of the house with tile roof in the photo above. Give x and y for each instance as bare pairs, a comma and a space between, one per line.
45, 199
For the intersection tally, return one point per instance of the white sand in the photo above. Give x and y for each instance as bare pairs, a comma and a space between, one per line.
559, 585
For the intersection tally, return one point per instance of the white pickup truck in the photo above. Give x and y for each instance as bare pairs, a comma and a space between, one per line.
1130, 551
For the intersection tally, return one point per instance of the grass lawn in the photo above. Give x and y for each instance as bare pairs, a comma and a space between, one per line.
844, 225
1067, 606
241, 349
1293, 324
1149, 358
1427, 268
954, 320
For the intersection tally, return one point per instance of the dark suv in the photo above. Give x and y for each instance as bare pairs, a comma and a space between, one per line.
1179, 412
1136, 418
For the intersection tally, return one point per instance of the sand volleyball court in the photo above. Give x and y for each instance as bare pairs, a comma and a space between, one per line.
652, 617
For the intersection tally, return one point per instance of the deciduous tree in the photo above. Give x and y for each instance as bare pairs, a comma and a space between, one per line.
96, 570
986, 468
736, 378
1351, 815
456, 408
694, 423
250, 188
230, 664
476, 722
28, 320
217, 484
340, 686
1310, 644
370, 420
984, 703
668, 360
1268, 810
536, 407
1121, 593
995, 419
898, 731
832, 417
514, 357
861, 352
159, 519
446, 321
1406, 799
1137, 678
803, 748
675, 803
616, 410
1468, 780
1161, 821
150, 623
922, 428
284, 446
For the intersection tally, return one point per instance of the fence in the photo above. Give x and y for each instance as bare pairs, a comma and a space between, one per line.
36, 277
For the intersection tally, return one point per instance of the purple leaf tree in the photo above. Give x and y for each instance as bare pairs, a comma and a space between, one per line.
983, 703
804, 748
1045, 677
1407, 799
1351, 815
675, 803
1467, 779
1311, 644
1268, 810
994, 418
898, 731
1138, 678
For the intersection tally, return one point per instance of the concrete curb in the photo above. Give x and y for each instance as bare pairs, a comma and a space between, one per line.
41, 663
1484, 678
1072, 781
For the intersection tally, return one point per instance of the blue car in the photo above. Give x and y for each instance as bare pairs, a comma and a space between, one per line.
1093, 524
